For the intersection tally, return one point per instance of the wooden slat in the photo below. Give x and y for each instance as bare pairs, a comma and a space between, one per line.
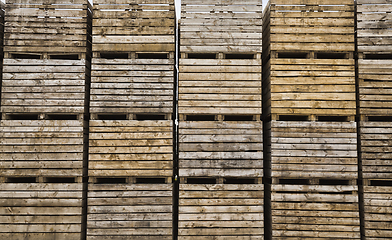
137, 211
221, 211
221, 148
131, 148
314, 150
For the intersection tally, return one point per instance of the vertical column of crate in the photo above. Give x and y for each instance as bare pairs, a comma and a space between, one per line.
131, 127
375, 87
310, 97
220, 129
43, 100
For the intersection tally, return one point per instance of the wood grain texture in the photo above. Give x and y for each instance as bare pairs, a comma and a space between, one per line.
221, 211
47, 26
378, 219
315, 212
41, 211
376, 150
131, 148
124, 211
221, 148
45, 148
314, 150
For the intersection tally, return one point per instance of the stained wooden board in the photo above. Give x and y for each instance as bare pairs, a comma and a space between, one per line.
53, 86
220, 148
131, 148
202, 24
376, 149
132, 85
378, 220
321, 147
221, 211
33, 27
41, 148
137, 211
314, 211
41, 210
208, 86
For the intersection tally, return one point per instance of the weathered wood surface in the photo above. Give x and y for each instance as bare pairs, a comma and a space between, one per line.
52, 148
221, 148
47, 26
44, 86
307, 81
378, 218
137, 26
314, 150
220, 86
376, 149
129, 211
374, 50
220, 26
132, 85
315, 212
41, 211
131, 148
221, 211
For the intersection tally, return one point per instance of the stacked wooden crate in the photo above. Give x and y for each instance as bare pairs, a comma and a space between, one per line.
375, 87
131, 127
220, 129
45, 77
310, 101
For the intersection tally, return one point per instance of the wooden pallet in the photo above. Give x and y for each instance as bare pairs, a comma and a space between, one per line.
312, 149
135, 85
47, 26
309, 65
375, 59
376, 149
221, 26
41, 211
134, 26
131, 148
221, 148
45, 148
314, 212
129, 211
44, 86
220, 86
221, 211
378, 203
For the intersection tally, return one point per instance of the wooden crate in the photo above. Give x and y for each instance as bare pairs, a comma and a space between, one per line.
221, 148
375, 59
221, 26
376, 149
378, 205
44, 86
309, 65
220, 86
47, 26
221, 211
314, 212
133, 85
131, 148
133, 26
129, 211
220, 65
41, 148
312, 149
41, 211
